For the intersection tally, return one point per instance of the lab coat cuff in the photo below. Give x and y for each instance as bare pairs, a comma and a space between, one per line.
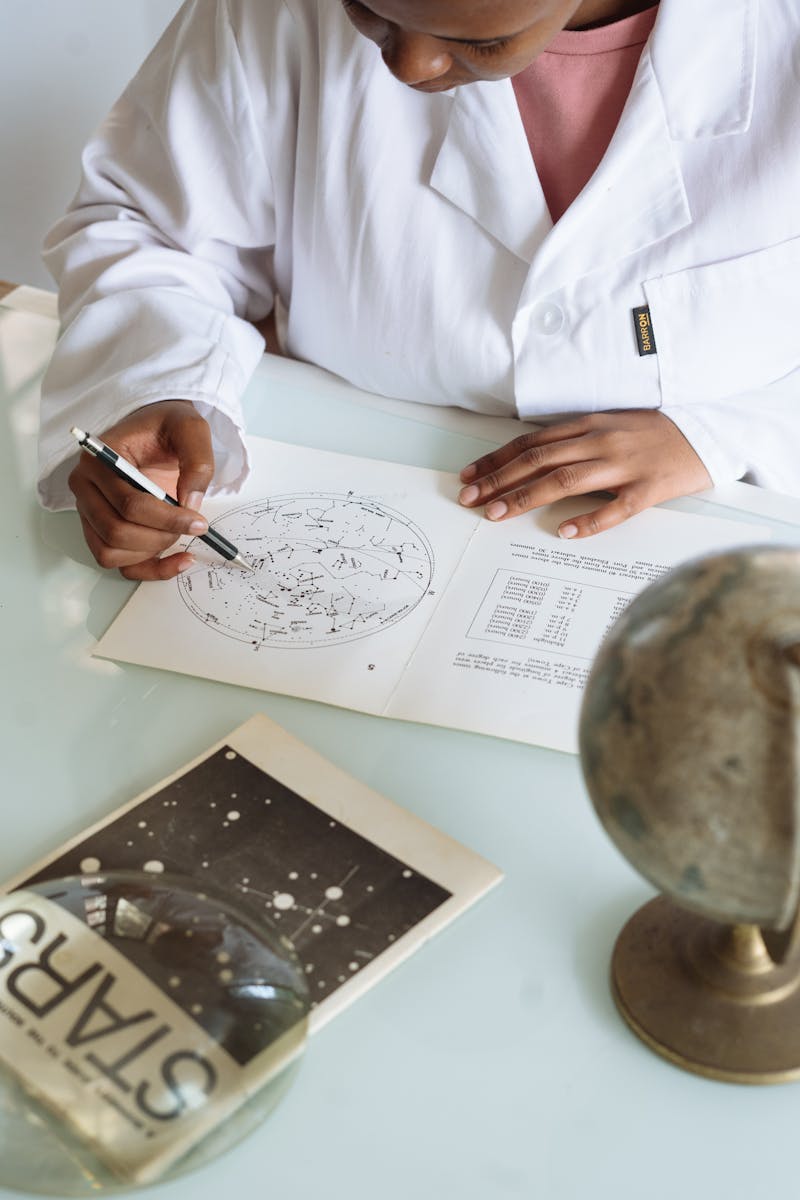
722, 465
93, 384
231, 459
232, 464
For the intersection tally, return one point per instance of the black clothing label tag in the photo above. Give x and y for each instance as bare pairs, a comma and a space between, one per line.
645, 338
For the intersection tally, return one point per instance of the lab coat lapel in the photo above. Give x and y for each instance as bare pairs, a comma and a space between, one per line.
484, 167
635, 198
707, 87
681, 92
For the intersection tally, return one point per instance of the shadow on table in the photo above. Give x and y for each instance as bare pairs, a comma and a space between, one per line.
594, 946
59, 541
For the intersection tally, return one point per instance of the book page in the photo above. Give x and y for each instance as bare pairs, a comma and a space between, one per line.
509, 649
351, 558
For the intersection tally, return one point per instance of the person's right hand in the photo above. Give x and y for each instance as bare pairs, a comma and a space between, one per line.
170, 443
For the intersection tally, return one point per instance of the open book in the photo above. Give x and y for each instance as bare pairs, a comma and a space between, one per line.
375, 590
106, 1022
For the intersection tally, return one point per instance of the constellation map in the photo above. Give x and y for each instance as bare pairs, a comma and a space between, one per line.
328, 569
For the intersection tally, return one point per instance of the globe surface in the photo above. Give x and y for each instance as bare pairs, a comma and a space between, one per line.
689, 735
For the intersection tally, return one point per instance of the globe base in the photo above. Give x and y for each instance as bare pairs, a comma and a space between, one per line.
707, 996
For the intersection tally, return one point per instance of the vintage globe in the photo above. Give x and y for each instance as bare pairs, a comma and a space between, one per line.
689, 735
689, 747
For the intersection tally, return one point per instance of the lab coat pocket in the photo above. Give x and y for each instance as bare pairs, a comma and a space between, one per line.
728, 327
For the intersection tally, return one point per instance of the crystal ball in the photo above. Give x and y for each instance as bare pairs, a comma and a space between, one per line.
689, 735
146, 1025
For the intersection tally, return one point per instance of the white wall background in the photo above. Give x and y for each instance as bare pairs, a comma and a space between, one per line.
62, 65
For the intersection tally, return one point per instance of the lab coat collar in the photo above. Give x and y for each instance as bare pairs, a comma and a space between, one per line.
683, 90
635, 198
484, 167
707, 83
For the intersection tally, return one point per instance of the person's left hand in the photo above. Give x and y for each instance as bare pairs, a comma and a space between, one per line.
638, 455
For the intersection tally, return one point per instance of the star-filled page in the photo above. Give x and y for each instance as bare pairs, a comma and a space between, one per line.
375, 590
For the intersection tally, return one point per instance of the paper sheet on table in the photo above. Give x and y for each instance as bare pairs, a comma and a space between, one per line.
374, 590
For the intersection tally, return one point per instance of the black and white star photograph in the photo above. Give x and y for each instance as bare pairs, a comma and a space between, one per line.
339, 899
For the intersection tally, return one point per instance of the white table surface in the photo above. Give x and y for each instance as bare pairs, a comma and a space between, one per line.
492, 1064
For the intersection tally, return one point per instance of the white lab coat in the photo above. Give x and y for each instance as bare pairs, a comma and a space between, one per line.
265, 151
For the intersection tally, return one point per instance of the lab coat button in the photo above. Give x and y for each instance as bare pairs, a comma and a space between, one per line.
548, 318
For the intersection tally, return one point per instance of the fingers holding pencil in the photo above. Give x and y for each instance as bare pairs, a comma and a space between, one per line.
124, 527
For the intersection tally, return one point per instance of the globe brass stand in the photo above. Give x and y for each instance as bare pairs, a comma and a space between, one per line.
707, 996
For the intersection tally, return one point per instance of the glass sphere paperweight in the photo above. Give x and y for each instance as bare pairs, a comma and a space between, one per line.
689, 740
145, 1027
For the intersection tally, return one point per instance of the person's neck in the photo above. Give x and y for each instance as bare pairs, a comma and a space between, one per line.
592, 13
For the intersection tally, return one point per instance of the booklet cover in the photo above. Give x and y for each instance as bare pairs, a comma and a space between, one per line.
100, 1034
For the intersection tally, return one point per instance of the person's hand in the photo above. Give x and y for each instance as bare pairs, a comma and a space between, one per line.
639, 455
125, 528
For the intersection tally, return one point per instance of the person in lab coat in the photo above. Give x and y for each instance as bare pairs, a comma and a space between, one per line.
396, 178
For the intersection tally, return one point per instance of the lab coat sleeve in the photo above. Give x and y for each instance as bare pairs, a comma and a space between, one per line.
729, 363
753, 436
164, 257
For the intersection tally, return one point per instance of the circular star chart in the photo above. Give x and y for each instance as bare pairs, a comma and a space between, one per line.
328, 569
